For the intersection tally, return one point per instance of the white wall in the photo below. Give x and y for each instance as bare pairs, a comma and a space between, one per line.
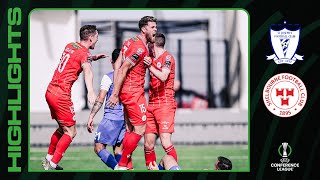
50, 31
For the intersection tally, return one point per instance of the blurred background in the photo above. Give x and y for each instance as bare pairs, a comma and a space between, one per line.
212, 66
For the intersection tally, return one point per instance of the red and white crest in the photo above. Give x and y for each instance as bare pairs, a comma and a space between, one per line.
284, 95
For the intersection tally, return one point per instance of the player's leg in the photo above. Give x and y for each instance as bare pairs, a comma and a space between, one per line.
52, 147
169, 163
165, 119
136, 114
105, 156
167, 145
63, 144
55, 137
150, 138
107, 133
117, 151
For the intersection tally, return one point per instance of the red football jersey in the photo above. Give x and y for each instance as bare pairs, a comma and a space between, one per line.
162, 92
68, 70
134, 50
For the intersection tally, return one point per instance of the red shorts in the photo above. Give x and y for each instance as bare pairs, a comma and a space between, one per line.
160, 119
61, 109
135, 106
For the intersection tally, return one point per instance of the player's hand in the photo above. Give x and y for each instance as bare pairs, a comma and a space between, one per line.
112, 101
98, 56
153, 166
147, 61
90, 125
91, 97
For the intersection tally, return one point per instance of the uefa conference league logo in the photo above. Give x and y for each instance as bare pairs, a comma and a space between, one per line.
285, 151
285, 39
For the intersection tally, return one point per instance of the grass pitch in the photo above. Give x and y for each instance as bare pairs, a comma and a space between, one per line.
190, 157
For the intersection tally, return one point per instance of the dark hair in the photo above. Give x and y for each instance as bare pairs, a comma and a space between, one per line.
86, 31
144, 21
224, 163
115, 55
160, 40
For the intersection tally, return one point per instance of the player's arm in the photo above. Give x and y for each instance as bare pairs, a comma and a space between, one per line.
117, 65
121, 76
98, 56
161, 75
104, 88
88, 78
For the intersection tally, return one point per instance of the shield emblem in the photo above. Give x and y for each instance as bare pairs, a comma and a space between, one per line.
285, 42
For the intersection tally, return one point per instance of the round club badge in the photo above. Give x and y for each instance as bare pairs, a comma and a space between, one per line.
284, 95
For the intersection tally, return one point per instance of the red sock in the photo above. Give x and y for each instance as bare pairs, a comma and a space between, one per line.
171, 151
130, 165
149, 155
130, 144
125, 137
54, 141
62, 146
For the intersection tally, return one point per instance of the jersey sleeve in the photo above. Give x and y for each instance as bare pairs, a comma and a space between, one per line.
134, 53
105, 83
84, 58
168, 62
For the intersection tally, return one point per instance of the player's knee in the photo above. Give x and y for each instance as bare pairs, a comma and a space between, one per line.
148, 146
166, 144
140, 129
98, 147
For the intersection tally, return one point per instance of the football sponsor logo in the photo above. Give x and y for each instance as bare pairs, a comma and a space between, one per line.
284, 95
135, 57
284, 150
285, 40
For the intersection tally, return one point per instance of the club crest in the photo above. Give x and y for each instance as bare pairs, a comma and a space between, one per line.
285, 40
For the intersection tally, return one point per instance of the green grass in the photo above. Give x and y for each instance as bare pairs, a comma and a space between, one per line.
193, 158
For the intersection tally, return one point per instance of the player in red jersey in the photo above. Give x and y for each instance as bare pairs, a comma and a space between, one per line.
75, 59
130, 78
162, 104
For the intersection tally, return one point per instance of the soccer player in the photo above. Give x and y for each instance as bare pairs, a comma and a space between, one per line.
112, 127
130, 79
162, 104
75, 59
169, 163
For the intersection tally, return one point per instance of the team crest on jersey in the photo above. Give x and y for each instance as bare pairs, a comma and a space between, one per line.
159, 65
285, 40
139, 51
284, 95
168, 58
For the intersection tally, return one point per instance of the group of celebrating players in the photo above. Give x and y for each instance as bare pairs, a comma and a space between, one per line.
127, 115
